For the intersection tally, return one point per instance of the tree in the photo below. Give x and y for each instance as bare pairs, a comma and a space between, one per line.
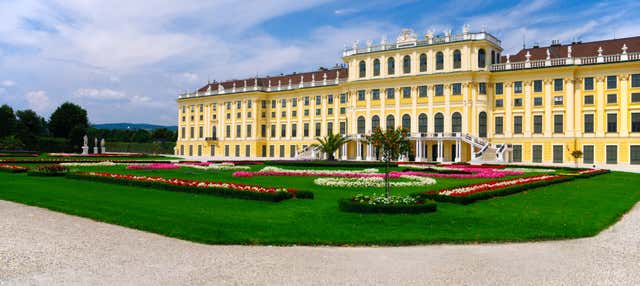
67, 117
7, 121
330, 144
576, 154
391, 143
29, 127
141, 136
163, 135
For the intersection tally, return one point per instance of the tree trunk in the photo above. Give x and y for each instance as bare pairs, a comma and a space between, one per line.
386, 178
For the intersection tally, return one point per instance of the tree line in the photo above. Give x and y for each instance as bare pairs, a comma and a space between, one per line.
64, 130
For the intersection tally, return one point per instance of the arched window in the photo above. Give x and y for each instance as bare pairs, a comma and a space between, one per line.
493, 57
376, 67
457, 59
406, 64
482, 58
438, 121
456, 122
363, 69
423, 62
406, 122
391, 122
361, 125
482, 124
422, 123
391, 66
439, 61
498, 58
375, 122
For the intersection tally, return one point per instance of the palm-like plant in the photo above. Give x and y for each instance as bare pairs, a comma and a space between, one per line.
330, 144
391, 143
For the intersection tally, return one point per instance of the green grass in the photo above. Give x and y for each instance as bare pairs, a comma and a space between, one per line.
579, 208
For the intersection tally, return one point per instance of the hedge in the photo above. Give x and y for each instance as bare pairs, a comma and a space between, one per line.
589, 175
247, 195
320, 163
465, 200
13, 169
348, 205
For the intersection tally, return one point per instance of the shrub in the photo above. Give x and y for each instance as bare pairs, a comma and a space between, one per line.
363, 204
49, 170
303, 195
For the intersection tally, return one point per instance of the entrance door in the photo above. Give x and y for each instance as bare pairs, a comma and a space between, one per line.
453, 152
434, 152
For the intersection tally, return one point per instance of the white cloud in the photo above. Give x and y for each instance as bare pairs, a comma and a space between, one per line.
38, 101
99, 94
7, 83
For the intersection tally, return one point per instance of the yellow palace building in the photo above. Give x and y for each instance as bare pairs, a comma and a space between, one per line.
462, 98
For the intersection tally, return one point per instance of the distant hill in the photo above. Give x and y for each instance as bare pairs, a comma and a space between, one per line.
132, 126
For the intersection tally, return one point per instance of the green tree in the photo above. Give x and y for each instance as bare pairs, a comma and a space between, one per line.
29, 127
163, 135
141, 136
67, 117
391, 143
330, 144
7, 121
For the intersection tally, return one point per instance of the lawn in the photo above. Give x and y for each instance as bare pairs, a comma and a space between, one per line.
579, 208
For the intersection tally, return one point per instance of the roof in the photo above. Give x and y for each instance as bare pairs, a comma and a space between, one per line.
609, 47
283, 80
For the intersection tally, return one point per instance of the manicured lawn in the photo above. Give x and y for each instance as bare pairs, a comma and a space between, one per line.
579, 208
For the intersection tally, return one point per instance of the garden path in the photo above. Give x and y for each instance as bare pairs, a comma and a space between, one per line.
42, 247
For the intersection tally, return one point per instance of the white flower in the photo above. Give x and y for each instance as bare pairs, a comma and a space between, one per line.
372, 182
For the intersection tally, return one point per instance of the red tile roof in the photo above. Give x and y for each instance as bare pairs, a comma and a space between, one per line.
609, 47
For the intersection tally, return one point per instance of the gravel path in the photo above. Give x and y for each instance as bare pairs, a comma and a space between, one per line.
41, 247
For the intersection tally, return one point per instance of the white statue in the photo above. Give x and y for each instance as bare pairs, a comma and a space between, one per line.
86, 140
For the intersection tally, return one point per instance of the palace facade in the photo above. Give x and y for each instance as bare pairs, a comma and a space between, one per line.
460, 96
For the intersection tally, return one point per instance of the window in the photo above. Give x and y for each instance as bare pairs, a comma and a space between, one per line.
362, 68
391, 93
612, 82
375, 94
318, 129
588, 123
306, 101
537, 85
247, 150
536, 152
273, 103
263, 104
557, 84
517, 124
228, 131
558, 100
482, 58
329, 127
306, 130
183, 132
457, 59
635, 97
272, 151
588, 99
406, 92
612, 98
343, 128
294, 113
237, 151
360, 95
438, 121
391, 66
493, 57
318, 111
612, 122
329, 111
635, 122
456, 122
587, 154
294, 102
498, 125
273, 131
588, 83
558, 154
249, 134
558, 124
634, 154
517, 87
537, 124
239, 115
343, 110
343, 98
238, 105
406, 122
439, 61
376, 67
635, 80
263, 130
537, 101
517, 102
516, 154
330, 99
406, 64
482, 124
482, 88
226, 150
292, 151
249, 114
456, 89
281, 151
318, 100
391, 122
375, 122
423, 63
438, 89
499, 103
283, 130
306, 112
422, 123
283, 114
422, 91
499, 88
612, 154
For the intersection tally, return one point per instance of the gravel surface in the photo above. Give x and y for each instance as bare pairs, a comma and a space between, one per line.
41, 247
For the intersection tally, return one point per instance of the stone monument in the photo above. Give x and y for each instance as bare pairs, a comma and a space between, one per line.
95, 145
102, 145
85, 147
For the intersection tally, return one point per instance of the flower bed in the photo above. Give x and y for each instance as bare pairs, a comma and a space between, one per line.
12, 168
389, 205
96, 155
471, 193
275, 171
19, 154
373, 182
153, 166
468, 173
588, 173
77, 160
322, 163
213, 166
49, 171
224, 189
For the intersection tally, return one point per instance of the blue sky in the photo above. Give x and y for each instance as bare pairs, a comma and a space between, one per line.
126, 61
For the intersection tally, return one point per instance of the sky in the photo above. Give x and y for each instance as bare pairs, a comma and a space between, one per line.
127, 61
